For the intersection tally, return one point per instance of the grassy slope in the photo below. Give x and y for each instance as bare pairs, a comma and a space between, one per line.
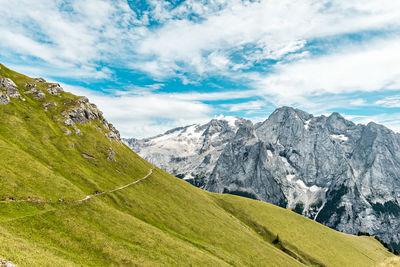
160, 221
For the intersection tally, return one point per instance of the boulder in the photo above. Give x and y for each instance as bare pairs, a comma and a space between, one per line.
85, 112
113, 134
37, 94
40, 80
30, 85
6, 263
9, 87
47, 105
4, 99
55, 89
68, 122
83, 99
111, 154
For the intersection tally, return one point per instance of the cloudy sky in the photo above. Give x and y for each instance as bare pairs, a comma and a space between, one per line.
156, 64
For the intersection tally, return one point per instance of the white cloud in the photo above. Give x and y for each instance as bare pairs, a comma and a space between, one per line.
219, 60
245, 106
215, 96
359, 102
83, 32
266, 29
389, 102
366, 68
73, 35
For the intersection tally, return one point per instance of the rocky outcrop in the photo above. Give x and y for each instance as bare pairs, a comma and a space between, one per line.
6, 263
40, 80
113, 133
30, 85
9, 88
48, 105
111, 154
37, 94
4, 99
343, 175
68, 122
55, 89
85, 112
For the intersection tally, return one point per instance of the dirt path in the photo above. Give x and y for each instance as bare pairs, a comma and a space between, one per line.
116, 189
87, 197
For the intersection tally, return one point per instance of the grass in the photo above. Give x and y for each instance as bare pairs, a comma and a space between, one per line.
160, 221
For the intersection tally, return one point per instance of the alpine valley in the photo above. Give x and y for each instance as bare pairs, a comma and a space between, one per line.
327, 168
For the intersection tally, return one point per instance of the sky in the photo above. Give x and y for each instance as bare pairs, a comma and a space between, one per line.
154, 65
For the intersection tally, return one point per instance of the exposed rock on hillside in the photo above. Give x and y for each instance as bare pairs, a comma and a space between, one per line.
113, 134
55, 89
5, 263
40, 80
85, 112
37, 94
9, 87
4, 99
111, 154
47, 105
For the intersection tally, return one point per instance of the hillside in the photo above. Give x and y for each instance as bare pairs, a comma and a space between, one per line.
67, 150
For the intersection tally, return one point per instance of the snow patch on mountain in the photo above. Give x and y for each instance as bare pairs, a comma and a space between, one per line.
339, 137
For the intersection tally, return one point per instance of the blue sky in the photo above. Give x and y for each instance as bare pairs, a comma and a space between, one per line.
154, 65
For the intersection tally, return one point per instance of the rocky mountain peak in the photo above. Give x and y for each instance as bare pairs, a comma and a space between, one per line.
338, 124
196, 147
285, 113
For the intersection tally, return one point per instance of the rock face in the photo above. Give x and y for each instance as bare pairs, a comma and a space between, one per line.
55, 89
48, 105
40, 80
189, 152
4, 99
9, 87
6, 263
343, 175
85, 112
111, 154
37, 94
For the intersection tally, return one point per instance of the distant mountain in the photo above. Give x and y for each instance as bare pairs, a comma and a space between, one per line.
190, 152
329, 169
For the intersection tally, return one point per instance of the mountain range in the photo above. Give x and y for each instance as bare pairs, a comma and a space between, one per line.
336, 172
